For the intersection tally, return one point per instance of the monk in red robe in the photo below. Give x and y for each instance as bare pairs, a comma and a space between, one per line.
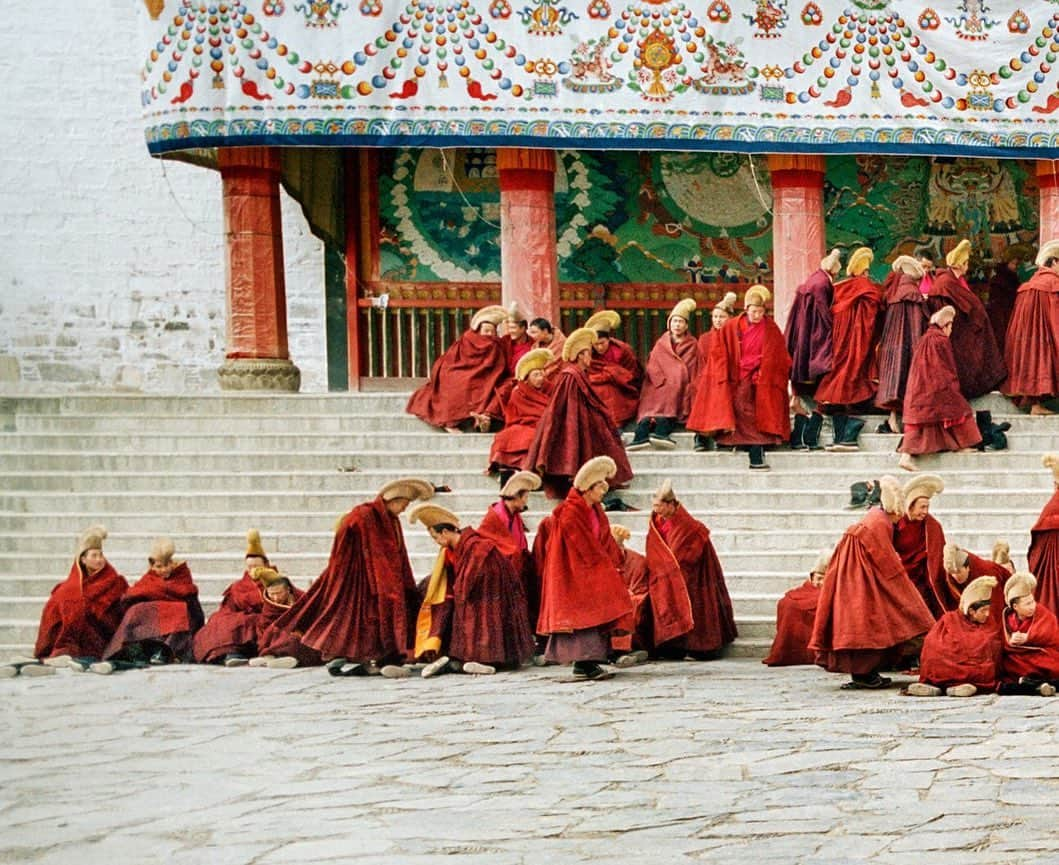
745, 401
920, 542
979, 363
473, 617
1030, 662
362, 608
229, 636
83, 612
809, 324
466, 377
516, 341
795, 613
615, 373
905, 319
280, 649
851, 381
1032, 351
963, 567
583, 596
544, 335
162, 612
936, 417
576, 425
1003, 291
961, 653
523, 412
633, 569
869, 612
690, 606
1043, 555
722, 311
668, 388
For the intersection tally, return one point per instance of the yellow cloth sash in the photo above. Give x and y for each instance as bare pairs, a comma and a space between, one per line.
437, 588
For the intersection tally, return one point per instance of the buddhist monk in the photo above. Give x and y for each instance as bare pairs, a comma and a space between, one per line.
633, 569
690, 606
669, 384
515, 341
723, 310
937, 417
809, 342
962, 567
522, 414
851, 381
1042, 557
869, 612
615, 373
229, 636
745, 401
473, 617
466, 377
83, 612
961, 653
280, 649
795, 613
1003, 292
1032, 345
920, 542
544, 335
905, 319
583, 596
1030, 660
575, 425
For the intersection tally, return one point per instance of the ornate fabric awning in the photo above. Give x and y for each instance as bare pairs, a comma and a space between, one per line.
944, 77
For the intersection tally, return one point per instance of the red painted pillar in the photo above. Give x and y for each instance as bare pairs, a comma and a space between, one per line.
256, 356
798, 241
529, 265
1048, 181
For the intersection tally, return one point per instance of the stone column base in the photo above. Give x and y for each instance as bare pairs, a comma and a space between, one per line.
259, 374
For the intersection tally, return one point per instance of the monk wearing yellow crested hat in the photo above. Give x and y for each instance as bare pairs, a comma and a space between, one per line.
522, 412
616, 374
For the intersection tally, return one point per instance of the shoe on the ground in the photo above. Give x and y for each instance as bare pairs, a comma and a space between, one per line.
964, 690
589, 670
700, 449
1046, 689
23, 659
664, 443
9, 671
435, 668
80, 665
284, 662
922, 689
632, 659
760, 467
395, 671
636, 445
334, 664
349, 668
842, 447
158, 659
868, 683
473, 668
234, 660
59, 661
35, 669
101, 668
261, 661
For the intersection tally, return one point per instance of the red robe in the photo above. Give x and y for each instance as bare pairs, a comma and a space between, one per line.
634, 571
868, 607
508, 532
574, 428
741, 406
1043, 556
280, 643
921, 546
1032, 344
521, 416
854, 371
808, 333
81, 614
1038, 657
672, 370
580, 584
616, 375
462, 381
363, 605
514, 351
160, 610
905, 320
689, 598
795, 612
958, 650
232, 629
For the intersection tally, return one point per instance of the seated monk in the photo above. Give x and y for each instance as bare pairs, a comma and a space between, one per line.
615, 373
1030, 660
162, 614
473, 617
516, 341
635, 646
229, 636
1032, 345
280, 650
962, 567
465, 378
83, 612
961, 653
542, 333
795, 612
522, 414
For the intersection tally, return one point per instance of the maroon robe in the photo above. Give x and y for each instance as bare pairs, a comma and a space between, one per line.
904, 321
854, 371
808, 334
979, 363
958, 651
1032, 351
81, 614
279, 643
634, 571
921, 546
162, 611
363, 605
1003, 288
979, 567
795, 612
508, 532
616, 375
936, 415
672, 370
1038, 657
232, 629
462, 381
574, 428
1042, 559
514, 351
868, 608
521, 416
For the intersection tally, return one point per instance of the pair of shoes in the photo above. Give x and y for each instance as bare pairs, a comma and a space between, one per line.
473, 668
922, 689
631, 659
234, 660
590, 670
101, 668
284, 662
260, 661
636, 445
395, 671
436, 668
1046, 689
964, 690
664, 443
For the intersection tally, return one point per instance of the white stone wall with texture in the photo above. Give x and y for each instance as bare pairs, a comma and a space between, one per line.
111, 261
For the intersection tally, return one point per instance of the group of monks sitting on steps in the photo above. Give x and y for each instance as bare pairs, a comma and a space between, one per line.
895, 595
578, 597
919, 347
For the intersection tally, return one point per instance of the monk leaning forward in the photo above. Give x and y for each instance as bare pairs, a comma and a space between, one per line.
795, 613
279, 649
1032, 344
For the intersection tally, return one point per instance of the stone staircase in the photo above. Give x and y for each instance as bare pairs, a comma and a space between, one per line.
205, 469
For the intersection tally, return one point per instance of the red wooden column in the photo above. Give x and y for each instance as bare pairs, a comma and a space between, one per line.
1048, 181
529, 265
797, 225
256, 356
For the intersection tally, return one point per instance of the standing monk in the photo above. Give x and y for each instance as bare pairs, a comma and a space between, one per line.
615, 372
852, 379
522, 414
1042, 559
583, 596
795, 613
723, 310
905, 319
745, 401
672, 370
920, 542
1032, 352
869, 611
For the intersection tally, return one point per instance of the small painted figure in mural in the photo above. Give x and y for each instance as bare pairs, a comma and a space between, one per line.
769, 17
1032, 351
971, 22
723, 310
616, 374
904, 320
591, 65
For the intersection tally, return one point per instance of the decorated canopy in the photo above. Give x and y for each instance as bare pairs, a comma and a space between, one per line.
945, 77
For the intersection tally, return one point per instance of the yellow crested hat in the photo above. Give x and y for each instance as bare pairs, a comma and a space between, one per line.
520, 482
577, 342
977, 591
406, 488
494, 315
909, 265
253, 545
960, 254
595, 470
683, 309
859, 261
430, 515
604, 321
537, 358
756, 295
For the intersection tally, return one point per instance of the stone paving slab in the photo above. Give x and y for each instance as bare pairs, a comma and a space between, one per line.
727, 762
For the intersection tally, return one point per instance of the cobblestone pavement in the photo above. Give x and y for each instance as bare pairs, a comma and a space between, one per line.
726, 762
